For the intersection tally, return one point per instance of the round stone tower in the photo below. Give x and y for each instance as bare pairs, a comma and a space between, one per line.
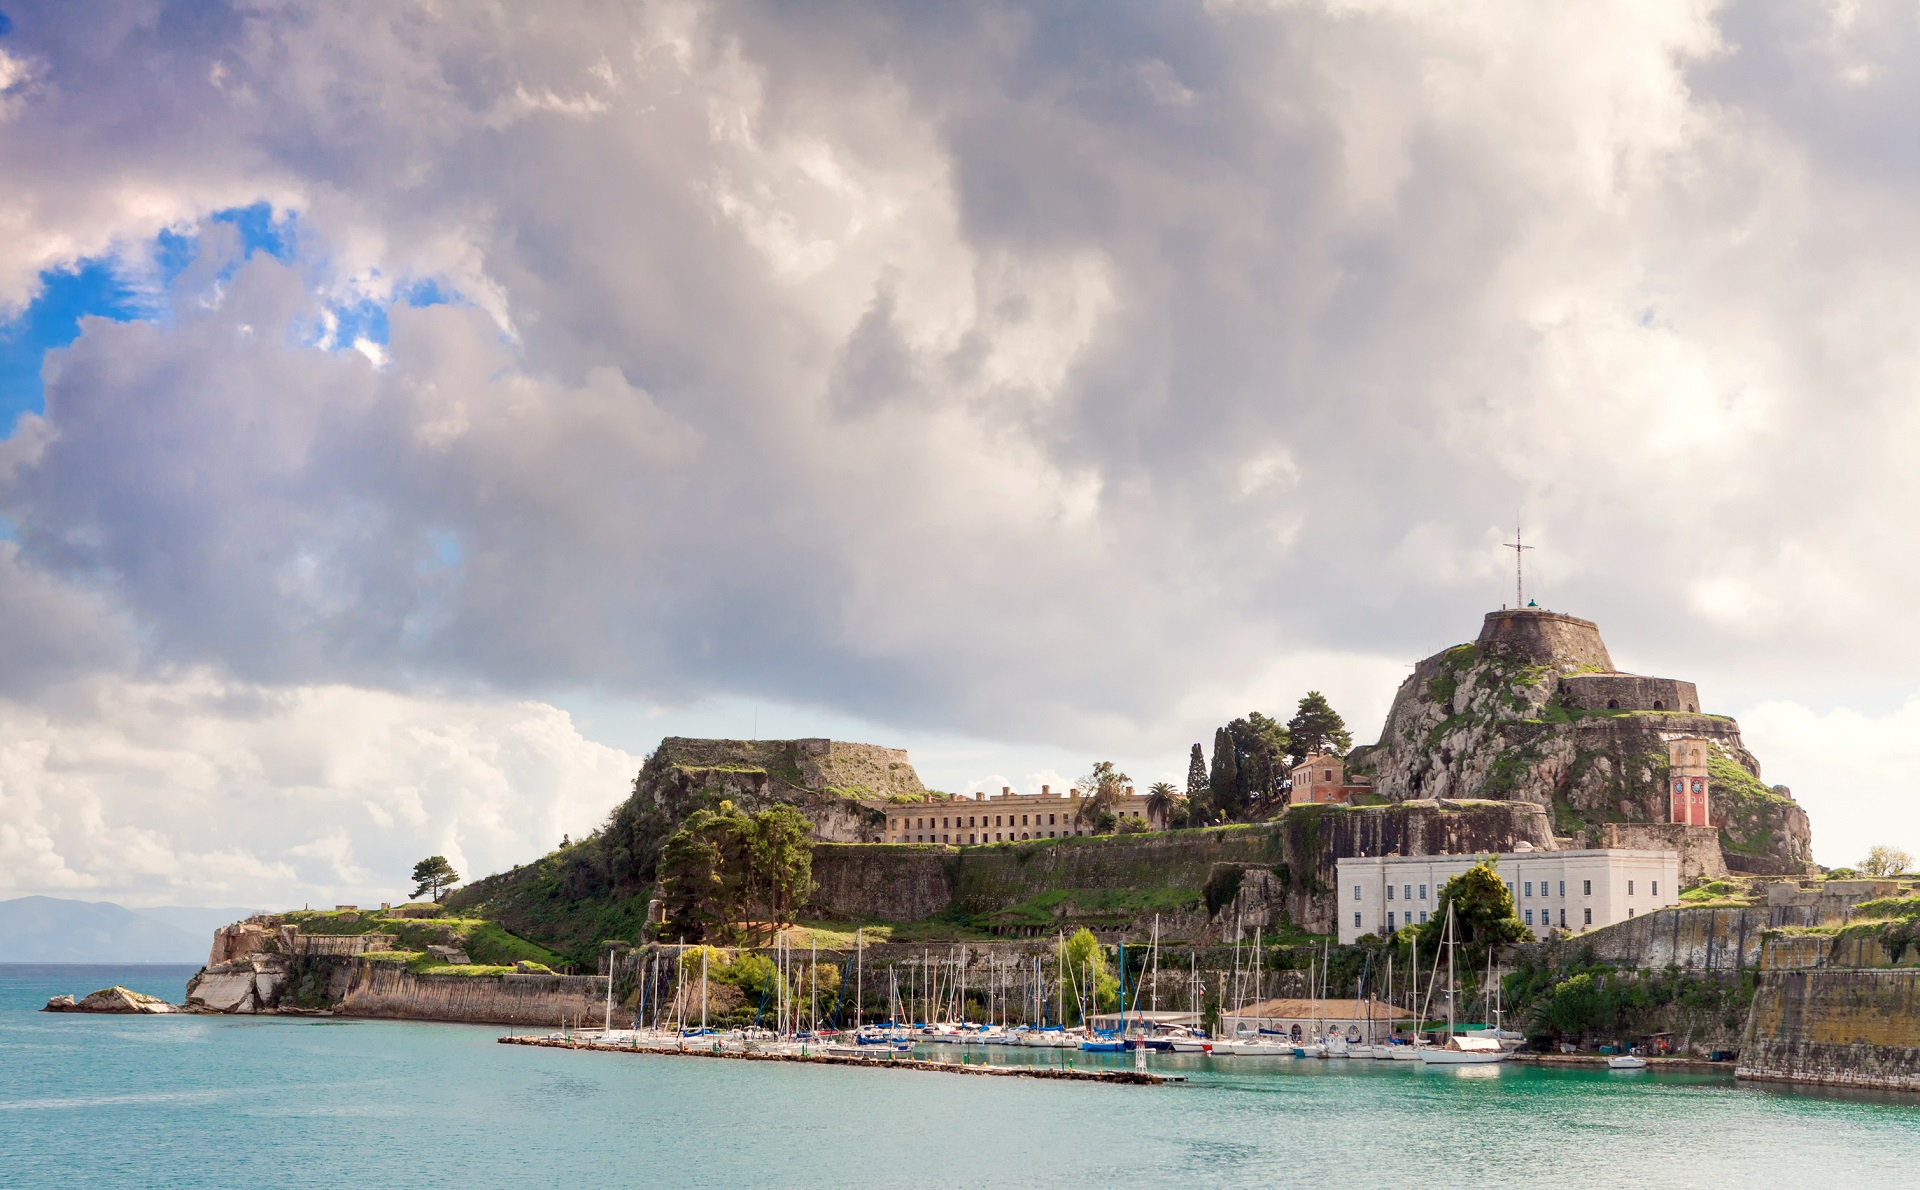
1566, 644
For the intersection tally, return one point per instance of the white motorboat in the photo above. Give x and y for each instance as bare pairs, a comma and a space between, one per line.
1626, 1062
1407, 1053
1191, 1045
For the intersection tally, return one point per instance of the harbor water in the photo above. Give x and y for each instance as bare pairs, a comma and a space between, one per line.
180, 1101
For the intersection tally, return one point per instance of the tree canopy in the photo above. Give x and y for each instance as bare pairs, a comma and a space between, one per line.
724, 867
1082, 953
1483, 917
1316, 728
1197, 775
1883, 861
1102, 789
434, 875
1249, 764
1163, 803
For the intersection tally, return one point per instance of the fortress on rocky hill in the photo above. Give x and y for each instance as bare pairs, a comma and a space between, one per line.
1534, 710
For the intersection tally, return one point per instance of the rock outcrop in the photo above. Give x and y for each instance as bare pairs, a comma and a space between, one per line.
115, 999
1533, 711
599, 887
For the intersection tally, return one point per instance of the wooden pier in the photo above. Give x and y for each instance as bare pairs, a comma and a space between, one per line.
1134, 1078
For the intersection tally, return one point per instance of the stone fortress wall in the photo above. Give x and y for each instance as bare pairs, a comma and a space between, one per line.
1628, 692
1562, 642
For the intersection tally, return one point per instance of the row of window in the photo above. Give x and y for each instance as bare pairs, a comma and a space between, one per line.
1586, 889
946, 824
1394, 923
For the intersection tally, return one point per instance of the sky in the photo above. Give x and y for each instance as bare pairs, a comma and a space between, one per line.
412, 412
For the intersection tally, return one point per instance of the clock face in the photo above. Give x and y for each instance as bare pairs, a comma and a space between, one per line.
1679, 786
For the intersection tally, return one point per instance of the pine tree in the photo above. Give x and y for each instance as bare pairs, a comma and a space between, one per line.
1317, 728
434, 875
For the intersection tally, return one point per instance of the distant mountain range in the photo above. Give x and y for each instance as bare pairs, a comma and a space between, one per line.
56, 930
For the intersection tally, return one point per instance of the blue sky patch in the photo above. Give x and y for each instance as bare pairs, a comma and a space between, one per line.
139, 284
51, 321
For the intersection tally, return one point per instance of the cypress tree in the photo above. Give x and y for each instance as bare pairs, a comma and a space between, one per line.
1225, 780
1197, 777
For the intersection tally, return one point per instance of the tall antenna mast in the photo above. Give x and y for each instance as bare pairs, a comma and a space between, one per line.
1518, 546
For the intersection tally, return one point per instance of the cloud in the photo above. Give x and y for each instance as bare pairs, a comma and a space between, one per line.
1000, 371
219, 792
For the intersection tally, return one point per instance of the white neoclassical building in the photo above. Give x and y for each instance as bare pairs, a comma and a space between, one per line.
1570, 890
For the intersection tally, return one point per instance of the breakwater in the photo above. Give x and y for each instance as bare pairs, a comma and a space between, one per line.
1845, 1028
1137, 1078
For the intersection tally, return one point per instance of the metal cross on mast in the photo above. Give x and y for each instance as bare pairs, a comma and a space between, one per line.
1518, 546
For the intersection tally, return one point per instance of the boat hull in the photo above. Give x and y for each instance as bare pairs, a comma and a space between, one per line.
1440, 1057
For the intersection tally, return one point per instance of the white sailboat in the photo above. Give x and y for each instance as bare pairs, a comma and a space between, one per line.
1460, 1051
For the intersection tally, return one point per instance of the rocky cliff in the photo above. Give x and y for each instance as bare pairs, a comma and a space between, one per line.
1533, 711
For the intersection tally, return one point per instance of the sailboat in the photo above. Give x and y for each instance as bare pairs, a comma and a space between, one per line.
1410, 1052
1192, 1043
1460, 1051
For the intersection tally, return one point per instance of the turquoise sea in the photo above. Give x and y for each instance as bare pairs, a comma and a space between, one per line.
204, 1101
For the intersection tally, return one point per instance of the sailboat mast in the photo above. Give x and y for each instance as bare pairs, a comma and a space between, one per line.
859, 979
1452, 987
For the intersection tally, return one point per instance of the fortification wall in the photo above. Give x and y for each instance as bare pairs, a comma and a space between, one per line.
388, 990
1561, 642
1697, 846
1701, 939
1117, 880
862, 769
1836, 1028
880, 882
1628, 692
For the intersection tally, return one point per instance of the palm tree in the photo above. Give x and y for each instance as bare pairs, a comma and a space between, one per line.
1162, 799
1104, 785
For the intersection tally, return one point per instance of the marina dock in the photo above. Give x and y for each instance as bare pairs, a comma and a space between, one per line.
1136, 1078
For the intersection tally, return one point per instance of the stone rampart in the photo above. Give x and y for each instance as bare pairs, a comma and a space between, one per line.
1846, 1028
1036, 884
1628, 692
1697, 938
390, 990
1562, 642
1697, 846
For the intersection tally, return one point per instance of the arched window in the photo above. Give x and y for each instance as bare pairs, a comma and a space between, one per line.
1658, 705
1613, 704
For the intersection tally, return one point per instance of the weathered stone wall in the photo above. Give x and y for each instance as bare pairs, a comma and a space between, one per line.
347, 985
1094, 880
390, 990
881, 882
1628, 692
1697, 846
867, 770
1562, 642
1835, 1027
1701, 939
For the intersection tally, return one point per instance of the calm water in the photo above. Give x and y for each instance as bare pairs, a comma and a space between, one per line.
198, 1101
